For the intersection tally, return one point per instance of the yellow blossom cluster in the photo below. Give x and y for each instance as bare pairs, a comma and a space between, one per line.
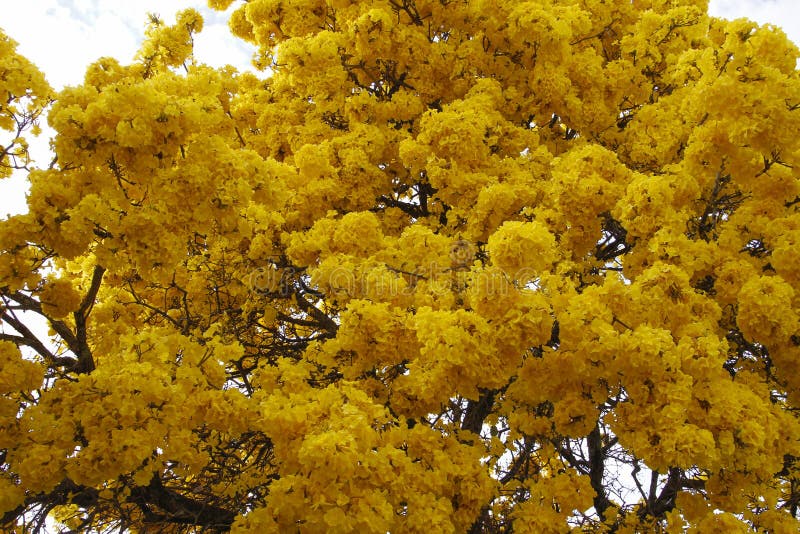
25, 95
473, 266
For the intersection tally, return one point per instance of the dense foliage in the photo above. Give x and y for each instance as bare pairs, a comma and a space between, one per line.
443, 266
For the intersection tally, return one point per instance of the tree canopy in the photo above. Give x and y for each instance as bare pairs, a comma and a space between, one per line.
442, 266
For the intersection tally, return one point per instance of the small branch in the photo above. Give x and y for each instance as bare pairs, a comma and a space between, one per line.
324, 321
636, 469
597, 470
477, 411
84, 352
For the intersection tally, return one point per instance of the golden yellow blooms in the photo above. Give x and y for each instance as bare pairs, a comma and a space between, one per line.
522, 245
441, 267
59, 298
25, 95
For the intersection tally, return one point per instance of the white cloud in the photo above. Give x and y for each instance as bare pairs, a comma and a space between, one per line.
782, 13
71, 34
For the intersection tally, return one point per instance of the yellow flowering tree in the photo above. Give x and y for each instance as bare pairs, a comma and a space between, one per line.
444, 266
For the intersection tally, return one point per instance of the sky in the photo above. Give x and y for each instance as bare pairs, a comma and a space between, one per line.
62, 37
80, 31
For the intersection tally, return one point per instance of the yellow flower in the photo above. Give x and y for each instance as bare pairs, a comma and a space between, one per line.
519, 246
